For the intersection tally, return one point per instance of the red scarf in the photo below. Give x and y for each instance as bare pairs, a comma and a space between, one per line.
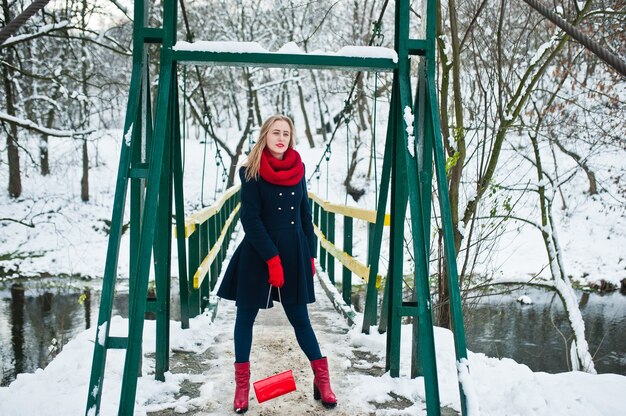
285, 172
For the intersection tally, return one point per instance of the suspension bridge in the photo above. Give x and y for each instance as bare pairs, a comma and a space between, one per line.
151, 166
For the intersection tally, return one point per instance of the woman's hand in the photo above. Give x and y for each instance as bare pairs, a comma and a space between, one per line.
277, 277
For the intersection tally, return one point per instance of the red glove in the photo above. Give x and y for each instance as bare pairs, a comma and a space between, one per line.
313, 266
277, 277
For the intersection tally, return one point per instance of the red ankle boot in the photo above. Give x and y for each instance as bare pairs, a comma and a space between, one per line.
242, 387
321, 383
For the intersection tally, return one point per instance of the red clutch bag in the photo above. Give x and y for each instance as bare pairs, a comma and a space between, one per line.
274, 386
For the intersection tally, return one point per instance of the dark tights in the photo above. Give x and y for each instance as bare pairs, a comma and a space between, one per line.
298, 316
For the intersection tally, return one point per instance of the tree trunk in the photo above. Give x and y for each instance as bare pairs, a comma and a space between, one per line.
591, 176
13, 156
319, 106
84, 122
44, 151
307, 127
456, 159
84, 182
44, 163
580, 357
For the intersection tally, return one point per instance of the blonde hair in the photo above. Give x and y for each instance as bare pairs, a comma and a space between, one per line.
253, 162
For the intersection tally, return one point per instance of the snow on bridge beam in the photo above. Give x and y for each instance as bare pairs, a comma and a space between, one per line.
349, 58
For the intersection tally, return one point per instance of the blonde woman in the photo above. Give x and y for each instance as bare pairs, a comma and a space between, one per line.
276, 254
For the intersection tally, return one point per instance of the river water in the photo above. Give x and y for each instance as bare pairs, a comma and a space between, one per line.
38, 317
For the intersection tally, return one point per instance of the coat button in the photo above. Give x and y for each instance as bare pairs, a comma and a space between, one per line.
280, 194
291, 207
292, 222
279, 208
293, 193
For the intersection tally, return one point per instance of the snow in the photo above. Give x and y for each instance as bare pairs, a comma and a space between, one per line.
408, 121
471, 398
102, 331
369, 51
525, 300
288, 48
129, 135
45, 130
541, 50
43, 29
220, 46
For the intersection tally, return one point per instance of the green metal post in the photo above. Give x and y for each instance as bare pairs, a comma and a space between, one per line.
396, 241
324, 229
221, 220
371, 299
426, 338
458, 327
423, 157
137, 184
110, 271
138, 305
212, 240
384, 309
162, 249
316, 221
346, 280
181, 240
194, 262
330, 261
204, 250
166, 81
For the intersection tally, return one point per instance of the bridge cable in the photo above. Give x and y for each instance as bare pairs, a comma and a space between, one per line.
12, 27
607, 56
206, 119
379, 38
184, 116
342, 115
345, 202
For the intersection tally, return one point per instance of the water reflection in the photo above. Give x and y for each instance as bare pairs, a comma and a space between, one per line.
539, 335
17, 327
37, 318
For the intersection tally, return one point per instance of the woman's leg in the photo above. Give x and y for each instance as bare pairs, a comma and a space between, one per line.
243, 332
298, 316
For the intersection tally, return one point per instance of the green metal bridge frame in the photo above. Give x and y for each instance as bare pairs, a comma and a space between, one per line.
151, 163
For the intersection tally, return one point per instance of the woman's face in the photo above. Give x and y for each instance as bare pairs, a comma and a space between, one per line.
278, 138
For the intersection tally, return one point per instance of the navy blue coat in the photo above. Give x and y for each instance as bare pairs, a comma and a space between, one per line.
277, 221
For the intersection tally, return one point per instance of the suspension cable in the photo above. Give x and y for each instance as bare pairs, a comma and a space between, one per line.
374, 140
345, 202
184, 116
207, 124
607, 56
342, 115
379, 37
14, 25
